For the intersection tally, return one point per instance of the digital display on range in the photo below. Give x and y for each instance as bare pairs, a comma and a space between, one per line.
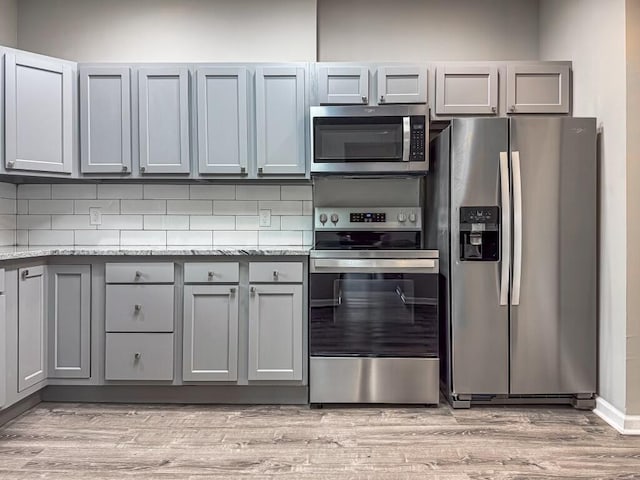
367, 217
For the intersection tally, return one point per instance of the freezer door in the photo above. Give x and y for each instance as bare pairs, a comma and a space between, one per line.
479, 323
553, 297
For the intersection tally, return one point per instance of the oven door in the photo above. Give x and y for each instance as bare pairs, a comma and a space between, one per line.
368, 307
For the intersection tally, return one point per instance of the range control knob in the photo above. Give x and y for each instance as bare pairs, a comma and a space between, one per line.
334, 218
323, 218
412, 217
402, 217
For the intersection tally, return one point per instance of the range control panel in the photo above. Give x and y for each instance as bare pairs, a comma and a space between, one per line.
357, 218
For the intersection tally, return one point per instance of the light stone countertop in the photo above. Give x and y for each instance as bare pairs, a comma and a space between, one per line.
18, 252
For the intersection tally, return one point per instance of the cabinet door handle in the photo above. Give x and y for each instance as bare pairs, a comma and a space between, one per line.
210, 275
381, 98
232, 290
137, 308
137, 355
142, 169
275, 275
11, 164
25, 274
138, 275
125, 168
364, 99
253, 290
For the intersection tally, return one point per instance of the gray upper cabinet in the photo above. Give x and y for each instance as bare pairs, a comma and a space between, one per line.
210, 337
222, 105
163, 116
39, 113
69, 305
538, 88
105, 120
466, 90
275, 332
32, 328
280, 120
343, 85
402, 84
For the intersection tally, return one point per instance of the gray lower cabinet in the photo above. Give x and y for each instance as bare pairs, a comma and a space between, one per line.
275, 332
280, 120
105, 120
210, 336
402, 84
32, 327
39, 113
3, 345
163, 116
343, 85
466, 90
223, 120
538, 88
139, 356
69, 306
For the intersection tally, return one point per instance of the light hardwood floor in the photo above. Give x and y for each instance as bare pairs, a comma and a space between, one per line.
98, 441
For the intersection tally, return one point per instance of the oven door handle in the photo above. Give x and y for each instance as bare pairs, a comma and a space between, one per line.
406, 138
374, 265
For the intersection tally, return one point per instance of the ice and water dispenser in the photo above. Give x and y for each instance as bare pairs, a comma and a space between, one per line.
480, 234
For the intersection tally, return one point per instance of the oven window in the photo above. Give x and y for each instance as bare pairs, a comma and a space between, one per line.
354, 139
366, 314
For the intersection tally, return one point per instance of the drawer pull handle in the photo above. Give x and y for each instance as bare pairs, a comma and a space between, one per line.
275, 274
25, 274
137, 308
210, 275
137, 355
232, 290
138, 275
253, 290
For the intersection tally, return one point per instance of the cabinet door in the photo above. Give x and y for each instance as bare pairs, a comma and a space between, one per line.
402, 84
3, 346
164, 119
69, 321
210, 348
538, 88
275, 332
466, 90
222, 120
105, 120
39, 114
32, 358
280, 120
343, 85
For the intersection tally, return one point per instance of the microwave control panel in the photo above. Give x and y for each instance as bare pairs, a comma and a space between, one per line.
418, 139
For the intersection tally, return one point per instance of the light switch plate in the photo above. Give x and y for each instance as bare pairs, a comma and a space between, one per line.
95, 216
265, 218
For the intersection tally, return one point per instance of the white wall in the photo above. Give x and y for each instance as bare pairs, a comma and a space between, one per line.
9, 23
591, 33
169, 30
421, 30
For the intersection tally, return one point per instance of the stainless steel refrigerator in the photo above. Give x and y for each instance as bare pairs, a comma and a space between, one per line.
514, 205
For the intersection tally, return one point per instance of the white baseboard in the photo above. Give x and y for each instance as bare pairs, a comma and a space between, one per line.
625, 424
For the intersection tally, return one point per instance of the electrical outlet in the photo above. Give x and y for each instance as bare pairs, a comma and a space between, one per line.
265, 218
95, 216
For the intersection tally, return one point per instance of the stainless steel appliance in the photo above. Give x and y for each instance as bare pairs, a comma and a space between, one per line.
517, 218
357, 139
373, 335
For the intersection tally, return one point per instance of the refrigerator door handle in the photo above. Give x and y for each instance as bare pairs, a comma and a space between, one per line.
517, 228
506, 228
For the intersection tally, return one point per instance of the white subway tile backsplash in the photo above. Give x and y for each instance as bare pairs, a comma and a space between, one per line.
166, 192
97, 237
221, 238
307, 207
7, 222
51, 206
279, 238
212, 192
235, 207
296, 192
143, 237
284, 207
166, 222
106, 206
8, 206
189, 207
71, 222
182, 237
34, 191
8, 190
73, 192
22, 237
120, 192
209, 222
252, 222
22, 207
34, 222
7, 237
297, 222
143, 206
121, 222
50, 237
257, 192
307, 237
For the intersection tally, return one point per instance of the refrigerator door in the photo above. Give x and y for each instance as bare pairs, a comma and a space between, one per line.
479, 322
553, 297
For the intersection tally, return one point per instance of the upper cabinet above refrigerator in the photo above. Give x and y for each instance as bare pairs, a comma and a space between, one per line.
538, 88
466, 90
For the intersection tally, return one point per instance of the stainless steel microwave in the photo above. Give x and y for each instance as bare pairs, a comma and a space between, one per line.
360, 139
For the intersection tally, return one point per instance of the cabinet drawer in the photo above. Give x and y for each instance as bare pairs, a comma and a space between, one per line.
275, 272
1, 280
139, 356
213, 272
139, 308
139, 273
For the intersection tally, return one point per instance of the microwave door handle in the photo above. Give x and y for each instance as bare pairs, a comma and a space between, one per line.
406, 138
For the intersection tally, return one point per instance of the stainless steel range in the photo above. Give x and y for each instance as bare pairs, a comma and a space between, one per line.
373, 335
